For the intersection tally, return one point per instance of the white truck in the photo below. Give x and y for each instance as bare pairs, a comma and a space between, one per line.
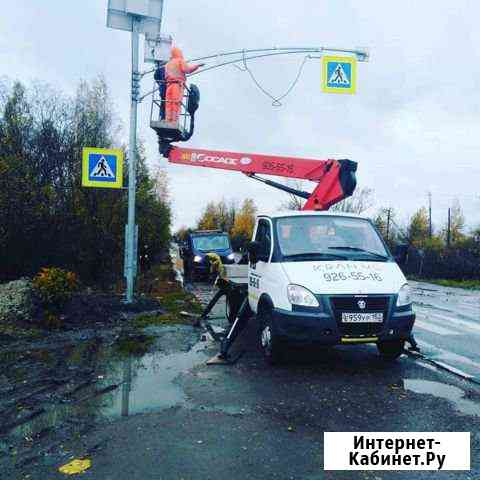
326, 278
314, 276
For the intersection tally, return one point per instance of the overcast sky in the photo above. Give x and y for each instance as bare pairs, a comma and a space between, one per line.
413, 125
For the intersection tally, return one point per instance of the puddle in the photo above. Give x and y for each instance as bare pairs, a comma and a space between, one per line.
148, 383
448, 392
125, 386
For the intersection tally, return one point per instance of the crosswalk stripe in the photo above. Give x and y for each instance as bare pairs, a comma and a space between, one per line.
431, 327
449, 356
468, 309
459, 322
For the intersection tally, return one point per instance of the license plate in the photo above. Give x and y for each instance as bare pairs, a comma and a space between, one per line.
350, 317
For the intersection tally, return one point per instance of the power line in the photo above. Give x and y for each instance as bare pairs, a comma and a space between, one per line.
276, 101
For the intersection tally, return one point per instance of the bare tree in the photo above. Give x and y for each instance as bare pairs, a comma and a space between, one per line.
457, 222
360, 201
294, 202
162, 184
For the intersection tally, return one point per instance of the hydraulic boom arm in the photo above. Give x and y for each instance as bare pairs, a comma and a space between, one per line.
336, 178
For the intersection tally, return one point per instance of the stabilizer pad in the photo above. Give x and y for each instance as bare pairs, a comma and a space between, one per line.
218, 360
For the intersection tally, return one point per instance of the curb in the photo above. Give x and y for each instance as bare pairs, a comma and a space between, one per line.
444, 367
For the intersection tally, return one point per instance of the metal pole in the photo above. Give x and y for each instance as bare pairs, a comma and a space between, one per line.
449, 226
126, 386
132, 168
388, 223
430, 214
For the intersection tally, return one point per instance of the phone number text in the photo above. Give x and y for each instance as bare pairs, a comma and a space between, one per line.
357, 276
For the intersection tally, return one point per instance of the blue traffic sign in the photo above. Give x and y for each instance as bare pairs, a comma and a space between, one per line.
339, 74
102, 168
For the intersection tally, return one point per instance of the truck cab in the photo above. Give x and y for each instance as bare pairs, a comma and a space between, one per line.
196, 247
326, 278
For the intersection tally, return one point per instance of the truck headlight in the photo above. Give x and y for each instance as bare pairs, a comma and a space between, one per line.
197, 258
298, 295
404, 296
231, 256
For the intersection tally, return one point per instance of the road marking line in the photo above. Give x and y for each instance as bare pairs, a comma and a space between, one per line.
454, 357
457, 321
430, 307
455, 370
427, 363
430, 363
431, 327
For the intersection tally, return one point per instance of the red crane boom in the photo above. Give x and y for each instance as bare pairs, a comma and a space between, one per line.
336, 178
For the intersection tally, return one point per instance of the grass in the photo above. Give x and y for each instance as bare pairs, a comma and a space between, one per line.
147, 320
467, 284
135, 345
20, 331
159, 283
173, 303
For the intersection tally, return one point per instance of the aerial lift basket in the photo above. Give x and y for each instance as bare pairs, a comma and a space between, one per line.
182, 130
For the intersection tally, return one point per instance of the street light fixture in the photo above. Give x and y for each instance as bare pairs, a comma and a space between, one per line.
123, 13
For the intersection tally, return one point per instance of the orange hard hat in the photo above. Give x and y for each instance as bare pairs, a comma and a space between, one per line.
176, 53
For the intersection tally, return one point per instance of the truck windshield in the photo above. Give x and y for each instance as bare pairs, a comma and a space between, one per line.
214, 242
329, 238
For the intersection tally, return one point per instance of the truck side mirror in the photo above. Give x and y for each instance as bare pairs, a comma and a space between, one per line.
253, 248
401, 253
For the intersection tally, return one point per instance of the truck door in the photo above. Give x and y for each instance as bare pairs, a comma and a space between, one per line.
259, 275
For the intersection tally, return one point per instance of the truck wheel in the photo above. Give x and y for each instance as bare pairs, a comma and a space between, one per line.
230, 312
391, 349
269, 342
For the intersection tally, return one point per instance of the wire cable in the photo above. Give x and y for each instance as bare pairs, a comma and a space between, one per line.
276, 101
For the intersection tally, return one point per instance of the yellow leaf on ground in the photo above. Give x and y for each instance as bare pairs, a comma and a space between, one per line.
75, 466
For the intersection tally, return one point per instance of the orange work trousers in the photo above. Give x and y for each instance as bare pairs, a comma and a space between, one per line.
173, 98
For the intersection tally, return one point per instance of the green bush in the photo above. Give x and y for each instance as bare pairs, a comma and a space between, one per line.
55, 287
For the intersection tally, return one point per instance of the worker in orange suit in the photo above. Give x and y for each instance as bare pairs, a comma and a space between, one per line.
175, 75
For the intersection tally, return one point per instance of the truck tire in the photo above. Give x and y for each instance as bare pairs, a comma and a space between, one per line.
269, 343
230, 310
390, 349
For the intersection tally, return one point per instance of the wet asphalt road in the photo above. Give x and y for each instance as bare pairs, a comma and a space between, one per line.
174, 417
447, 328
187, 420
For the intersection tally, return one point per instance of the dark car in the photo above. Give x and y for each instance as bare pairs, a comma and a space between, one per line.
198, 244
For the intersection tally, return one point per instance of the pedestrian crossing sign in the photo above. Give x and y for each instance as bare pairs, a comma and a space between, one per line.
102, 168
339, 74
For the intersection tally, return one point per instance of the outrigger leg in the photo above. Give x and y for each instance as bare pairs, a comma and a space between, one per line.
413, 343
237, 326
241, 320
202, 320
